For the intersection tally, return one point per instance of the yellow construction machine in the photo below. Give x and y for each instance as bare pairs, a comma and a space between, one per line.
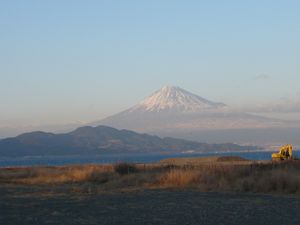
285, 152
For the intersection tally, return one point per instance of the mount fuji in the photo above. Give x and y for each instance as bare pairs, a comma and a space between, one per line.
173, 111
175, 100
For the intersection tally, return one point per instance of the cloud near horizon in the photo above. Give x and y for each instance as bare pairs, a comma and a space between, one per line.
284, 105
262, 77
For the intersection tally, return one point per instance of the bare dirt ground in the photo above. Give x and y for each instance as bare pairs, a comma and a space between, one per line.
23, 206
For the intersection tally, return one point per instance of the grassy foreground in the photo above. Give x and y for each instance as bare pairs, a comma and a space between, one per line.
222, 174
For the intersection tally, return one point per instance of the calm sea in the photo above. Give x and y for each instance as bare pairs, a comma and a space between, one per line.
114, 158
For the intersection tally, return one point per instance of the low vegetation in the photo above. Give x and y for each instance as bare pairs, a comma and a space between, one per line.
204, 174
125, 168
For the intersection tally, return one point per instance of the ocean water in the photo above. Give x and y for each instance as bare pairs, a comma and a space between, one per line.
115, 158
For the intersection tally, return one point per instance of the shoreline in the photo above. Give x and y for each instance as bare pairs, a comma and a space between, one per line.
124, 157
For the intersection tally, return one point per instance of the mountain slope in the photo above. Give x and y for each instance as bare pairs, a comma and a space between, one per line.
175, 99
101, 139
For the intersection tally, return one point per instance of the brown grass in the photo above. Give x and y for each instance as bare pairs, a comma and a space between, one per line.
47, 175
265, 177
179, 178
200, 161
231, 159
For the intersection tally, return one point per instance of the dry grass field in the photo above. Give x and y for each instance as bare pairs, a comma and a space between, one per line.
230, 174
204, 191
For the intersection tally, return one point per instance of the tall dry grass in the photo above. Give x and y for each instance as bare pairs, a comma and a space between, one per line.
266, 177
179, 178
53, 175
281, 177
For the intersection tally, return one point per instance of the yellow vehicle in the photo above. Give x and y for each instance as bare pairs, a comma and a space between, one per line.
286, 152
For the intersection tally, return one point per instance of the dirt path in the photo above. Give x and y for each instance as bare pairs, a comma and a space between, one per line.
157, 207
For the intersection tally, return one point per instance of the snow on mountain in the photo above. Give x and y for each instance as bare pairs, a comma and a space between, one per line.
175, 99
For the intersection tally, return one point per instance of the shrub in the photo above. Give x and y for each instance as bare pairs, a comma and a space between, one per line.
125, 168
231, 159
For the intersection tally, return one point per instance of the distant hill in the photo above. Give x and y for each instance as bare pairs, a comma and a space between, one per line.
102, 139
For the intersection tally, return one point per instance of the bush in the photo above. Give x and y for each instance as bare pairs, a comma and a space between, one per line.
179, 178
125, 168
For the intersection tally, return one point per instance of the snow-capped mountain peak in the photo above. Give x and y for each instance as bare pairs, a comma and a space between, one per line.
175, 99
172, 111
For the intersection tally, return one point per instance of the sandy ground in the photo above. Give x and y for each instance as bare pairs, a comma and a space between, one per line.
150, 207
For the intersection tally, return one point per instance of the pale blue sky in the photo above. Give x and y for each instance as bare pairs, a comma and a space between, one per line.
65, 60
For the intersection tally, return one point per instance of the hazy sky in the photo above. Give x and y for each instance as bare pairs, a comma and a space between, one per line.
66, 61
